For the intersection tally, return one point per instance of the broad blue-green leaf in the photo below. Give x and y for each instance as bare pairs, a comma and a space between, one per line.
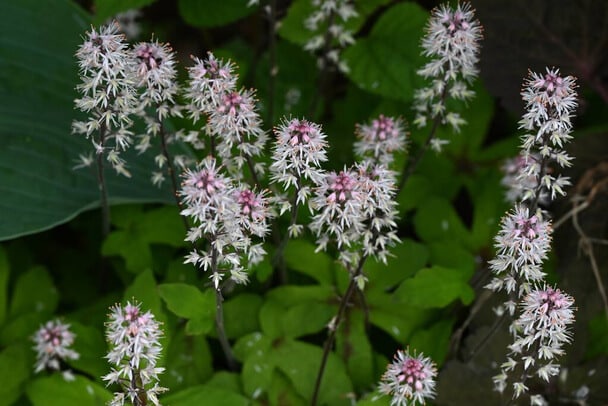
300, 256
188, 302
386, 61
435, 287
212, 13
34, 292
4, 274
16, 364
56, 391
204, 395
105, 9
38, 72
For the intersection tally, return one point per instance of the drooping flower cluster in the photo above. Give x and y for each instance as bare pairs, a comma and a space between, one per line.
225, 217
524, 239
452, 43
157, 77
134, 337
380, 139
409, 380
297, 155
331, 36
233, 122
53, 341
107, 94
542, 330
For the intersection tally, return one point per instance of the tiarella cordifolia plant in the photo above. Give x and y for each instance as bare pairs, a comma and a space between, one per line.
330, 34
233, 123
523, 242
409, 379
133, 336
108, 95
452, 44
156, 77
380, 139
53, 341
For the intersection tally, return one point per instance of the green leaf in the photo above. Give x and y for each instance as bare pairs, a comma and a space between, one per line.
435, 287
300, 363
434, 342
40, 188
188, 302
282, 391
307, 318
4, 275
416, 189
300, 256
144, 290
211, 13
189, 361
394, 316
436, 220
91, 346
34, 292
597, 343
56, 391
105, 9
450, 255
241, 314
204, 395
15, 367
354, 347
407, 258
386, 61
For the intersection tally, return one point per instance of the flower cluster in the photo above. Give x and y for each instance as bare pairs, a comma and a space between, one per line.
134, 337
522, 244
53, 341
542, 327
452, 43
233, 122
410, 380
157, 77
380, 139
108, 94
516, 181
297, 155
327, 22
525, 237
550, 104
226, 217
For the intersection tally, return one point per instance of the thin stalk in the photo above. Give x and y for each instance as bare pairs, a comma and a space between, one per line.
101, 181
410, 167
274, 69
323, 73
219, 318
352, 285
279, 256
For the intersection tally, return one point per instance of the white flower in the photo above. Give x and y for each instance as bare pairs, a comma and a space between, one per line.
380, 139
133, 337
410, 380
53, 341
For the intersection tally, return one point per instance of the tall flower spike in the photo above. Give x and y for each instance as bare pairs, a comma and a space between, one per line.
297, 155
156, 77
134, 337
327, 22
380, 139
108, 95
550, 104
409, 380
452, 43
53, 341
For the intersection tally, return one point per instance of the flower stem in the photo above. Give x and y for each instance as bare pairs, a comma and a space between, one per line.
333, 328
219, 319
101, 182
